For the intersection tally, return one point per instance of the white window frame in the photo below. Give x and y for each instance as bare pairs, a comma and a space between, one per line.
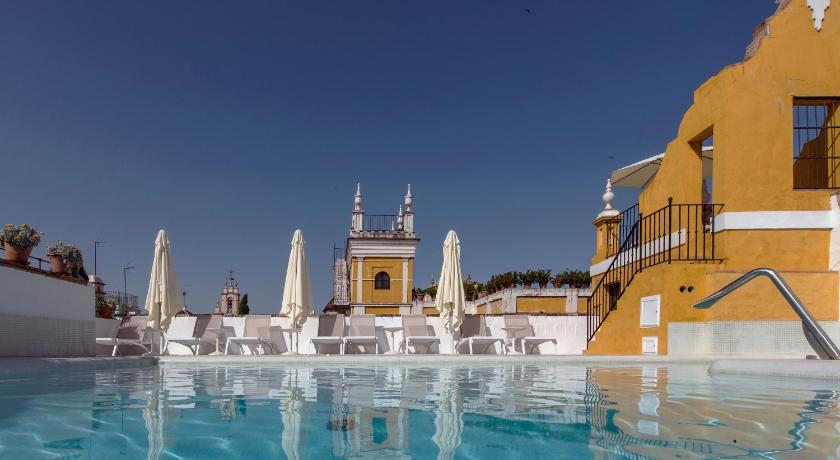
658, 299
654, 340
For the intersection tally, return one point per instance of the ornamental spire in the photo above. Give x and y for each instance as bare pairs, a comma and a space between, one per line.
357, 200
409, 199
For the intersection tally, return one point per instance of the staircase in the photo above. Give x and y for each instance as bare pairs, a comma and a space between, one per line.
674, 233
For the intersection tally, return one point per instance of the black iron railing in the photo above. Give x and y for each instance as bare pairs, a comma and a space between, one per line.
339, 253
42, 264
677, 232
131, 301
380, 222
620, 228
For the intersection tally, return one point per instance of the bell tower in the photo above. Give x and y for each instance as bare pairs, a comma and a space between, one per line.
229, 299
377, 270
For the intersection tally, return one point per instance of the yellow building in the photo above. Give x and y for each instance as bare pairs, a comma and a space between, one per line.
750, 181
374, 272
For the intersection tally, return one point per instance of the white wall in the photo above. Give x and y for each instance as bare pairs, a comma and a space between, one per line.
570, 332
781, 339
41, 315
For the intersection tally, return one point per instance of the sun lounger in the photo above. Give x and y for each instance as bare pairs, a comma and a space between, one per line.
132, 332
330, 332
416, 332
474, 333
519, 329
193, 331
256, 333
362, 331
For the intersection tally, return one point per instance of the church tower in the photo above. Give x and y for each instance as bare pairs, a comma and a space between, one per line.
229, 299
376, 273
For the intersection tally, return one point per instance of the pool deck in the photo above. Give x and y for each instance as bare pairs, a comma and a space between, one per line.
718, 365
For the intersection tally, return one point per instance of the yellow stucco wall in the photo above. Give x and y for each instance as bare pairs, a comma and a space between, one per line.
758, 300
748, 108
779, 249
383, 310
542, 304
373, 265
749, 105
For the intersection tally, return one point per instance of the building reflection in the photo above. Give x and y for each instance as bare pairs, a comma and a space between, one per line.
416, 411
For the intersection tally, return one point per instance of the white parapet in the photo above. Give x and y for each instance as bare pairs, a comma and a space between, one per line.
43, 315
570, 332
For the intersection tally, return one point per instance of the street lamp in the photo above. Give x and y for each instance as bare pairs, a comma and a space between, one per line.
125, 281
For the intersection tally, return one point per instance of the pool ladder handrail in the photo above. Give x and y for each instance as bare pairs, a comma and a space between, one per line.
811, 325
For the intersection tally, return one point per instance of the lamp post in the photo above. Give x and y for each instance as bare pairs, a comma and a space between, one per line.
125, 281
95, 247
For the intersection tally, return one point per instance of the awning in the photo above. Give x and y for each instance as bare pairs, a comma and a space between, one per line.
639, 174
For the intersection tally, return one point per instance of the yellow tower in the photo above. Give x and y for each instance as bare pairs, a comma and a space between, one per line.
377, 269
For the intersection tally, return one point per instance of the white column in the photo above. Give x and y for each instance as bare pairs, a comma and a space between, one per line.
359, 280
405, 280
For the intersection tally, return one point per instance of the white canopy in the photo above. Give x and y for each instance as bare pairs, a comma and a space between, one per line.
163, 298
450, 300
640, 173
297, 292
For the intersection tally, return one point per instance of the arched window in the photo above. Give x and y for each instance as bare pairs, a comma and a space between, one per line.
382, 281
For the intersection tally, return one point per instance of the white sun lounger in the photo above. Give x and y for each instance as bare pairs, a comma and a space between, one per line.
416, 332
132, 332
330, 332
362, 331
192, 331
474, 334
519, 329
256, 333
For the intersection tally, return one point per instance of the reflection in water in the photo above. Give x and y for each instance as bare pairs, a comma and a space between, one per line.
445, 412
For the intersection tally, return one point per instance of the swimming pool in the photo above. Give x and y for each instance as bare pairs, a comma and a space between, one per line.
415, 411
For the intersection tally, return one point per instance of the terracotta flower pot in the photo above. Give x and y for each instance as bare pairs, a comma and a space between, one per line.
543, 285
57, 265
16, 255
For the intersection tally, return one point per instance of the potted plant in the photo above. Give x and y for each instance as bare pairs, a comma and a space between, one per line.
18, 240
562, 278
528, 278
542, 277
56, 252
72, 259
513, 278
581, 279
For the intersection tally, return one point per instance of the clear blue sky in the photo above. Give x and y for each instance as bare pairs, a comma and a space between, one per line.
230, 126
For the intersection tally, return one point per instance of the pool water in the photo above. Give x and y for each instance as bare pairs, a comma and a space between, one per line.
462, 412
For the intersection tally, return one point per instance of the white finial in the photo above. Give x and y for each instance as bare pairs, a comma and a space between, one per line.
357, 200
608, 196
409, 199
400, 219
818, 8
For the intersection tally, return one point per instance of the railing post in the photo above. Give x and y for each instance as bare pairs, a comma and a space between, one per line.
639, 240
669, 230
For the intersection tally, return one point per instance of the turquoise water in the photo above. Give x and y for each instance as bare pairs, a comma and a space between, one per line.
481, 412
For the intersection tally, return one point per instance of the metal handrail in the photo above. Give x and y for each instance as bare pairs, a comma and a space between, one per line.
811, 325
